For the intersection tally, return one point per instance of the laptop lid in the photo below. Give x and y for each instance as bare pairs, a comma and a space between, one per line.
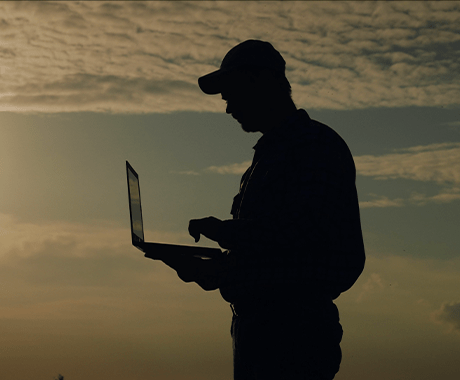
135, 208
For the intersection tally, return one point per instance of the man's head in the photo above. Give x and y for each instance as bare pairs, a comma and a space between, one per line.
252, 80
248, 54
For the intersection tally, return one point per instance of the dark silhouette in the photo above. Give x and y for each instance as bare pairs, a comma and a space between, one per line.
295, 241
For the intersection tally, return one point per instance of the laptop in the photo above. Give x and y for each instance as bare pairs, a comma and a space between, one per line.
156, 250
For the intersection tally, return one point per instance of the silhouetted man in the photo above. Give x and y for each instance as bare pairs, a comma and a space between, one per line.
294, 242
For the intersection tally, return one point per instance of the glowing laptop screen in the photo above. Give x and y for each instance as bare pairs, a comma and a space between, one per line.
137, 227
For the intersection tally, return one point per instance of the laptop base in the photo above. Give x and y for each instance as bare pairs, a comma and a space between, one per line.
161, 250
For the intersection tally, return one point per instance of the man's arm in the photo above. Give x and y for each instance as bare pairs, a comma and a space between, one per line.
304, 195
205, 272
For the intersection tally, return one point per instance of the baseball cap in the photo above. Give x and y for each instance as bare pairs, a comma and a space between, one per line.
250, 53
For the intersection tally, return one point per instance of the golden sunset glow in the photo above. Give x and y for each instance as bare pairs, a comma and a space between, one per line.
86, 86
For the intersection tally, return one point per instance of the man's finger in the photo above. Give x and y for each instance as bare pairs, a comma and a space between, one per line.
193, 230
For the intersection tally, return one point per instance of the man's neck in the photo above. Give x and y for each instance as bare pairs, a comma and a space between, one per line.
276, 117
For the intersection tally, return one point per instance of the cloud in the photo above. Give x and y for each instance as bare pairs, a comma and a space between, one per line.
439, 163
146, 56
391, 284
446, 195
229, 169
436, 162
67, 254
234, 169
99, 93
454, 125
382, 201
23, 239
186, 172
449, 313
61, 271
72, 254
83, 291
372, 285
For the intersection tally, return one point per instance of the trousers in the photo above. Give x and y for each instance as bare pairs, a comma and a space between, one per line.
286, 343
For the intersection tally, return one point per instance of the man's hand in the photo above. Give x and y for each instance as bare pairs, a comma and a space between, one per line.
205, 272
210, 227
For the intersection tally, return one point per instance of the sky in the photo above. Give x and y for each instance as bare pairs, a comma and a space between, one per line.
86, 86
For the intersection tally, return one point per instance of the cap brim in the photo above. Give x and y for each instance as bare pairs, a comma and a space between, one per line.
212, 83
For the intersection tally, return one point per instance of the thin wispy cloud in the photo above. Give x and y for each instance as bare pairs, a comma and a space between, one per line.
147, 56
86, 284
410, 284
186, 172
446, 195
381, 201
62, 268
23, 240
229, 169
455, 125
449, 313
436, 162
373, 284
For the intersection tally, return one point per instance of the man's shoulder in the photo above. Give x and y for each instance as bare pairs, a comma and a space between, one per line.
310, 131
315, 143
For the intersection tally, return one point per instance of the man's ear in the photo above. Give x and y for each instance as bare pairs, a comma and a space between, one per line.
263, 79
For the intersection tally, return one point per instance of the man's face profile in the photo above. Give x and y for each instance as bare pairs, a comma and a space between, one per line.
244, 101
